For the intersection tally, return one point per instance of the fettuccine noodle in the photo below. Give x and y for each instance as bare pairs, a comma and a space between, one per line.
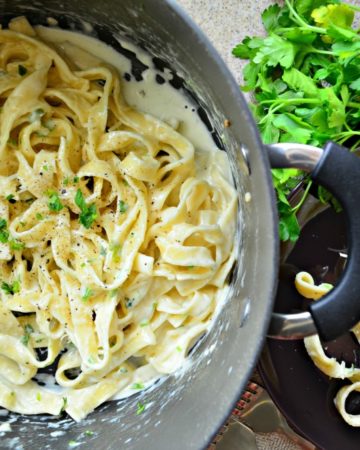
306, 286
114, 252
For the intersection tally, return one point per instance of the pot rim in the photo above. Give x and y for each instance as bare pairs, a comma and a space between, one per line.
229, 80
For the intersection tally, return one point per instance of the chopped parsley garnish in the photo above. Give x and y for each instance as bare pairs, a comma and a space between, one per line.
113, 293
137, 386
76, 179
13, 142
144, 323
123, 207
82, 265
73, 443
10, 197
36, 115
115, 249
16, 245
11, 289
178, 348
38, 396
28, 330
22, 70
87, 294
50, 125
39, 216
25, 339
123, 370
191, 267
65, 402
88, 213
45, 167
66, 181
54, 203
4, 234
88, 433
140, 408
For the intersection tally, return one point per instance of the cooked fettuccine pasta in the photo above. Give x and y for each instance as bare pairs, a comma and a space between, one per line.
306, 286
114, 249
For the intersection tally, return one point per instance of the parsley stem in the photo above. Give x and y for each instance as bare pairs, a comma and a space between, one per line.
303, 198
323, 52
354, 7
356, 146
302, 22
354, 104
346, 134
291, 101
278, 104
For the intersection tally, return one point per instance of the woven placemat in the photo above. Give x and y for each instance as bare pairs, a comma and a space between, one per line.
274, 440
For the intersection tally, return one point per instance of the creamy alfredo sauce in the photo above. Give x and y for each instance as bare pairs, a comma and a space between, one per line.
161, 100
149, 96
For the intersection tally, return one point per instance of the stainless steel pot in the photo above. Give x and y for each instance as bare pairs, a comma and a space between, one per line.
186, 409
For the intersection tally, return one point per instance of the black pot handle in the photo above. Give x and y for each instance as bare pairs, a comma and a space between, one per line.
338, 171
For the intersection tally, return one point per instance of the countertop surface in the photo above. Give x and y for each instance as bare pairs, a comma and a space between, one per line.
227, 23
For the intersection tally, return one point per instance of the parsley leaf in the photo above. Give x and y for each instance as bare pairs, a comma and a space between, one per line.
140, 408
54, 203
88, 213
26, 337
87, 294
270, 17
276, 50
341, 15
298, 81
11, 289
16, 245
4, 233
123, 207
36, 115
305, 79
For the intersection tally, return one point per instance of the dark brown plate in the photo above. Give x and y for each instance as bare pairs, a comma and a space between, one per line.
303, 393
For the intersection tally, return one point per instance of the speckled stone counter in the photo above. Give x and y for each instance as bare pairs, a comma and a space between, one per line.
226, 23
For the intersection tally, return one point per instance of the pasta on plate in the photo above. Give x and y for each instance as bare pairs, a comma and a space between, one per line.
306, 286
114, 250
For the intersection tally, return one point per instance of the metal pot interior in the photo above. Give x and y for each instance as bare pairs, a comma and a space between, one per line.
183, 410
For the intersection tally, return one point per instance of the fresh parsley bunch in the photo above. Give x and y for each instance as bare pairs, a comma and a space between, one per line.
305, 79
